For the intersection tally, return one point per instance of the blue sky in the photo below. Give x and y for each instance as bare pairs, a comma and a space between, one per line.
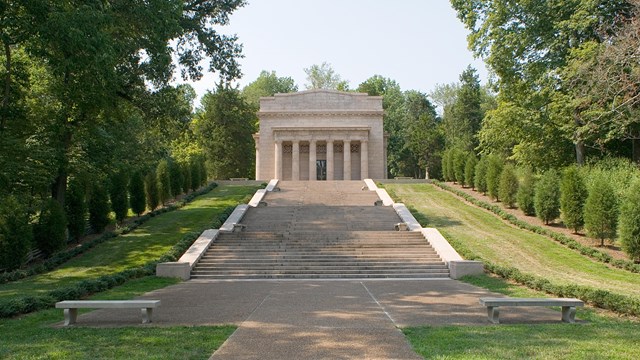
418, 43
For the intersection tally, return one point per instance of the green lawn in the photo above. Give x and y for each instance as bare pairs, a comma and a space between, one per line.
33, 337
599, 337
498, 242
148, 242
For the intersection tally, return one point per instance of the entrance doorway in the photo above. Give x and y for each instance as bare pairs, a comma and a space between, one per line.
321, 169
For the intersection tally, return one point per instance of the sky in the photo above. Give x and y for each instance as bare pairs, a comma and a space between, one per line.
417, 43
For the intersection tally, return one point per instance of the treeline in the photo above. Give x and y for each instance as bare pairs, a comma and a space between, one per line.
603, 199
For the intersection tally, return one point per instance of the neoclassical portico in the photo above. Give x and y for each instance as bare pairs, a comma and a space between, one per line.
320, 135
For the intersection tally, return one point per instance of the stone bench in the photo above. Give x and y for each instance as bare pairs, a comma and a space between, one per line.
71, 307
568, 306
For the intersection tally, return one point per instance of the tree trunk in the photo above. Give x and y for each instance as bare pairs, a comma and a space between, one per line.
580, 152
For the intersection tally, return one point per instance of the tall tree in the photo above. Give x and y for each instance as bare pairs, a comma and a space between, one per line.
224, 127
463, 118
422, 135
267, 84
324, 77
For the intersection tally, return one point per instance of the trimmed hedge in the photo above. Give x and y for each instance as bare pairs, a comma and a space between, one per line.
84, 288
603, 299
62, 257
561, 238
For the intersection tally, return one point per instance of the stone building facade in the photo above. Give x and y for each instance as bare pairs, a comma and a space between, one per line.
320, 135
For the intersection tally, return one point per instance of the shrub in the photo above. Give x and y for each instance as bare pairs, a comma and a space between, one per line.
136, 193
459, 161
186, 177
470, 170
176, 178
151, 190
446, 172
573, 193
118, 195
601, 210
629, 223
163, 179
76, 209
50, 232
195, 174
547, 195
508, 187
526, 193
204, 176
98, 208
494, 170
16, 234
480, 176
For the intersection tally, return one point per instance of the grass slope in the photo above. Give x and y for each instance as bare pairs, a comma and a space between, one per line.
32, 337
148, 242
491, 238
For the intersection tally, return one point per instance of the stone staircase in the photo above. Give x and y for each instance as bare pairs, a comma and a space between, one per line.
333, 232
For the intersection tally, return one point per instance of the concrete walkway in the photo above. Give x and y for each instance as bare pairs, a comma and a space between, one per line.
318, 319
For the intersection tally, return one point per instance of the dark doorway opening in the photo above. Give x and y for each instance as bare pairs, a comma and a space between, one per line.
321, 169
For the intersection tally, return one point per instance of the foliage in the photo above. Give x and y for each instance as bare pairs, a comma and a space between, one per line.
267, 84
526, 193
459, 162
601, 211
175, 173
470, 170
163, 180
422, 135
137, 198
15, 234
508, 187
462, 120
446, 170
195, 171
76, 209
629, 222
118, 195
480, 176
50, 232
224, 128
547, 197
494, 169
151, 190
98, 207
186, 177
324, 77
573, 194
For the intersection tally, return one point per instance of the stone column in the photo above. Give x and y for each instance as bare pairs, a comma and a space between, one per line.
295, 161
346, 151
364, 159
258, 163
278, 160
329, 159
312, 160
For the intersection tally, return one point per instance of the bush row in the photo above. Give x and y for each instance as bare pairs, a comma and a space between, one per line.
84, 288
561, 238
603, 299
61, 257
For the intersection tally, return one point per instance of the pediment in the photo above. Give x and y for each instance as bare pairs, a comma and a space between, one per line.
320, 100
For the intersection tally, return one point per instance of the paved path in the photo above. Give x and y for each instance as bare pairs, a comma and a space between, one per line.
318, 319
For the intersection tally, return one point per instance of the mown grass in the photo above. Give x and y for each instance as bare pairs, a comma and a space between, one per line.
492, 239
597, 336
147, 243
33, 336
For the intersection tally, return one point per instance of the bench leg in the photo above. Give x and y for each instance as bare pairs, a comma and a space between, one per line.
569, 314
70, 316
146, 315
494, 313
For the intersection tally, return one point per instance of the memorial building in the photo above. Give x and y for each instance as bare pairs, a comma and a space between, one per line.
321, 135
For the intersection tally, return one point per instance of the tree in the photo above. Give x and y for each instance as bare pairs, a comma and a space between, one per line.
494, 170
445, 165
176, 178
186, 177
136, 193
323, 77
601, 211
50, 232
163, 179
151, 190
267, 84
118, 195
76, 209
629, 222
16, 234
470, 170
526, 193
546, 200
463, 118
573, 194
422, 135
224, 128
480, 177
508, 187
196, 174
459, 162
98, 208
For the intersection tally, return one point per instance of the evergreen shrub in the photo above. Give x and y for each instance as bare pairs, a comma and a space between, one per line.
494, 170
137, 198
163, 179
50, 232
601, 211
508, 187
118, 195
629, 222
16, 234
98, 208
573, 194
547, 197
76, 208
480, 176
526, 193
176, 178
151, 190
470, 170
